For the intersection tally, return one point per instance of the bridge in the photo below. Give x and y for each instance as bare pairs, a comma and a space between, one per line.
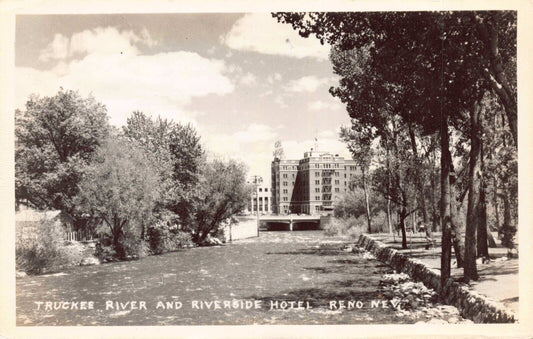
291, 219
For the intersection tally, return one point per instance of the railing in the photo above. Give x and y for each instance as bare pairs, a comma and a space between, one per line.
79, 236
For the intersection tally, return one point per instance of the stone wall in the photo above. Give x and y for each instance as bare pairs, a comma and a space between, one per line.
472, 305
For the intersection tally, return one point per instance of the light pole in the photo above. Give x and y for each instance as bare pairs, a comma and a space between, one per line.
256, 180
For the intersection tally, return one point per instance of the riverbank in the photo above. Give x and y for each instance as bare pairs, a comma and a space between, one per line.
493, 298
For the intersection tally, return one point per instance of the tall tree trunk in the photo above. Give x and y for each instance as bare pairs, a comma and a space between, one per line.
419, 183
507, 229
368, 216
496, 205
472, 214
403, 216
482, 237
495, 72
434, 208
482, 231
457, 226
389, 216
506, 209
445, 216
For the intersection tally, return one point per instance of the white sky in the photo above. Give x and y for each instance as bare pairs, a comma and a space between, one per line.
243, 80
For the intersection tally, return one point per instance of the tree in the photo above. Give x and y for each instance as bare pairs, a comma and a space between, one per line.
221, 193
119, 188
55, 139
396, 182
178, 156
359, 142
353, 202
438, 63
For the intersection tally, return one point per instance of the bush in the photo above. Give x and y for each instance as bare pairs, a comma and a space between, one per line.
46, 250
105, 252
507, 234
163, 238
129, 246
379, 222
351, 226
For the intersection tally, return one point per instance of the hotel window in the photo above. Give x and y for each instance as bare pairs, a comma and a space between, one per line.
317, 190
284, 198
317, 174
260, 190
317, 197
317, 182
284, 183
285, 191
337, 189
336, 182
285, 175
336, 174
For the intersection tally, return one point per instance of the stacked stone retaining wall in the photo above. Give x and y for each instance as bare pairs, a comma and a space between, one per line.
471, 304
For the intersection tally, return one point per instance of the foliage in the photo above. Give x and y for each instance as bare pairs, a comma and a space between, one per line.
55, 138
46, 251
471, 52
120, 188
178, 158
350, 226
221, 193
164, 238
352, 203
507, 234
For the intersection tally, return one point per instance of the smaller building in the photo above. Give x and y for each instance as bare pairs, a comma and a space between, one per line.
260, 200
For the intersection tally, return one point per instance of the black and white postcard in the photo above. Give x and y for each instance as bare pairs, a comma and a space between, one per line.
220, 169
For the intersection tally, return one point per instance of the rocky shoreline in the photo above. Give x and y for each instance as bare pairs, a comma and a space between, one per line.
471, 304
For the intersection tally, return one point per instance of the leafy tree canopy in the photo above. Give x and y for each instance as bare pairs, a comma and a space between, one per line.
55, 138
416, 64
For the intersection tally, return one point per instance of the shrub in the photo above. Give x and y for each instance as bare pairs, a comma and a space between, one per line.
105, 251
351, 226
46, 250
164, 238
379, 222
507, 234
129, 246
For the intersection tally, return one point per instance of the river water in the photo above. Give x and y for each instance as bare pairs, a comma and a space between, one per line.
300, 277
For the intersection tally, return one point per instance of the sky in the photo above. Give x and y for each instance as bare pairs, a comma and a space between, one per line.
242, 79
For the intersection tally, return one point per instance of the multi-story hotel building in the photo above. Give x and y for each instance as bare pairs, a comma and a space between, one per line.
310, 185
282, 181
